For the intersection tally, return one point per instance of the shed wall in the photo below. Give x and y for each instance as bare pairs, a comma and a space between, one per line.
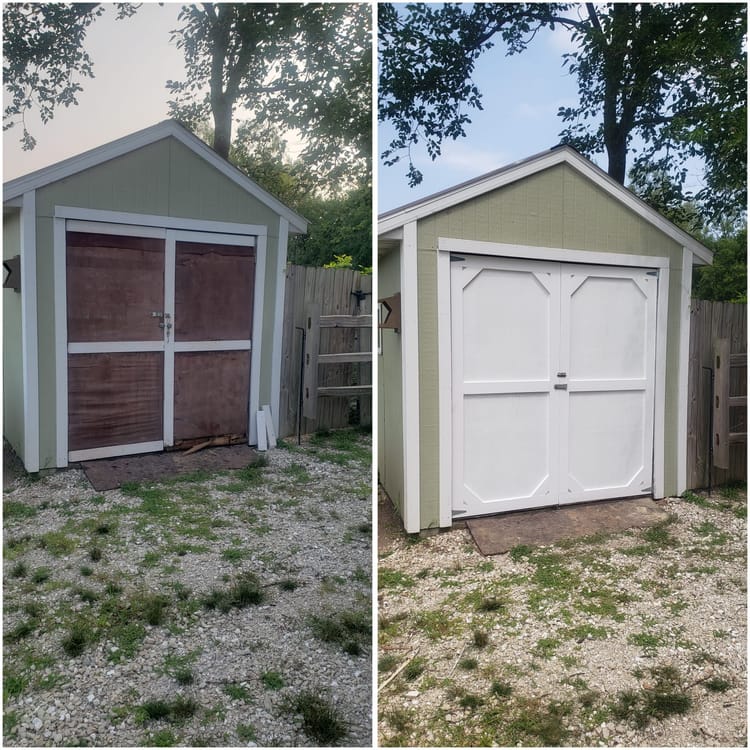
555, 208
13, 428
164, 179
390, 393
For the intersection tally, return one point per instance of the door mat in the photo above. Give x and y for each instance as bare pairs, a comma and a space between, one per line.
500, 533
110, 473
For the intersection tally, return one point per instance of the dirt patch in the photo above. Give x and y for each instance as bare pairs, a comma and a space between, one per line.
636, 638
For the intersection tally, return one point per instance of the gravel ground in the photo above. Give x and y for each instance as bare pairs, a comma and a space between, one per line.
134, 570
632, 639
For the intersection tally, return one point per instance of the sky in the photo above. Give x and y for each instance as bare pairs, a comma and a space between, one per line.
520, 95
133, 59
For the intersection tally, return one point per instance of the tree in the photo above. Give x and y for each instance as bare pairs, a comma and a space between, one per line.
338, 226
673, 75
43, 57
300, 66
726, 278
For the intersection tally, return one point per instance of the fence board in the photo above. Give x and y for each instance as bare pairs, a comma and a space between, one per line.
710, 321
332, 289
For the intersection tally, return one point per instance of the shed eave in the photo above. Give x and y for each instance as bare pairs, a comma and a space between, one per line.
14, 189
395, 219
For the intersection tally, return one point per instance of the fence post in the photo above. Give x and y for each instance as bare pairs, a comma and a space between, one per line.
720, 404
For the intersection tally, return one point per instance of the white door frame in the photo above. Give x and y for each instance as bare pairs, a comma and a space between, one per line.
168, 228
448, 246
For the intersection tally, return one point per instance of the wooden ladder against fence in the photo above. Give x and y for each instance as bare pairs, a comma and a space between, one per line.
717, 394
311, 392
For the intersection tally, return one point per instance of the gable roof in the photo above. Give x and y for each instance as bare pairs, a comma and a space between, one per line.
167, 128
394, 219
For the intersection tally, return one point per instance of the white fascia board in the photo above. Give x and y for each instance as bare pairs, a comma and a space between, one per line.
507, 175
686, 283
59, 171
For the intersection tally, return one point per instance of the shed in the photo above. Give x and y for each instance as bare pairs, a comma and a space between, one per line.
541, 355
147, 308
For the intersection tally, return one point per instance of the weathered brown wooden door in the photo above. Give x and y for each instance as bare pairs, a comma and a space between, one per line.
115, 284
213, 323
159, 338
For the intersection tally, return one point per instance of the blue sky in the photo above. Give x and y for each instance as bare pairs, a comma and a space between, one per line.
521, 96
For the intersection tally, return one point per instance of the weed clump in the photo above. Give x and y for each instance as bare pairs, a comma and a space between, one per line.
244, 592
320, 720
76, 640
349, 629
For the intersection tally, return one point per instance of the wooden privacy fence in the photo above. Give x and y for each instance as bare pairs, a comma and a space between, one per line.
327, 292
717, 393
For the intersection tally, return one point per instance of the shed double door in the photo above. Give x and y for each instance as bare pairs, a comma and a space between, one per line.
553, 383
159, 338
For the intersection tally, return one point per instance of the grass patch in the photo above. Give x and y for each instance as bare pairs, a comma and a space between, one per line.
501, 689
435, 623
468, 663
176, 710
666, 698
246, 733
57, 543
75, 642
414, 668
237, 692
389, 579
272, 680
234, 554
244, 592
19, 570
320, 720
480, 638
15, 509
350, 629
387, 662
717, 685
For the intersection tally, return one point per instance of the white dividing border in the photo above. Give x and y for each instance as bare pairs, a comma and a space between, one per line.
172, 230
278, 323
446, 246
29, 337
683, 368
410, 378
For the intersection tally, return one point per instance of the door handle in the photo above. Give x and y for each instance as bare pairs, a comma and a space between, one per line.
561, 386
562, 374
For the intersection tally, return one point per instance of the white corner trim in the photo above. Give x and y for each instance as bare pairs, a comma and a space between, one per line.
410, 378
683, 368
61, 344
558, 254
29, 338
255, 359
660, 382
170, 281
445, 389
278, 321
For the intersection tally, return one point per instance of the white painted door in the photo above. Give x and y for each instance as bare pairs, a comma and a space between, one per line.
552, 372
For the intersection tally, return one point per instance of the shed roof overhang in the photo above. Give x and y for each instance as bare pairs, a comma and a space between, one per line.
14, 189
391, 222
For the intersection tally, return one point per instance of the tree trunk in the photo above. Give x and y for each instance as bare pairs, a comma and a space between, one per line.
222, 112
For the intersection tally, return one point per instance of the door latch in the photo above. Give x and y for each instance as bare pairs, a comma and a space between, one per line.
562, 374
561, 386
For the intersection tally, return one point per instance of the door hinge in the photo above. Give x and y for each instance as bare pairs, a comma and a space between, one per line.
652, 273
456, 258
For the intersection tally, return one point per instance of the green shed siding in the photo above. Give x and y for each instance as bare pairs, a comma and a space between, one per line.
556, 208
390, 411
13, 428
164, 178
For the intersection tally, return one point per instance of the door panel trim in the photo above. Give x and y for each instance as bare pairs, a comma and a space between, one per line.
105, 347
110, 451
